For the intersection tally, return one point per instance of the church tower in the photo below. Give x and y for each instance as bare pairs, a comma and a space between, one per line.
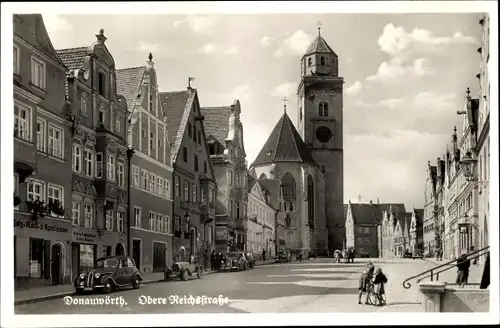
320, 104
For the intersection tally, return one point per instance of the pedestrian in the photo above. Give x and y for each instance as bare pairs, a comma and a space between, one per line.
463, 265
364, 281
379, 281
212, 260
263, 255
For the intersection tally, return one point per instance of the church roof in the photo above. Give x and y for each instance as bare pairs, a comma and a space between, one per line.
217, 122
319, 45
284, 145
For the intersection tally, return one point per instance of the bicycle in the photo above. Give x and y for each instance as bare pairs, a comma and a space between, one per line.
373, 298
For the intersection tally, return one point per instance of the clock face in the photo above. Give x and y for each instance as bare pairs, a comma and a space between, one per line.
323, 134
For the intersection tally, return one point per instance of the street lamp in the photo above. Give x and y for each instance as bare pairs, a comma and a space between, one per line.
470, 164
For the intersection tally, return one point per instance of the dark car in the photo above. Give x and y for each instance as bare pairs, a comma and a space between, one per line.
283, 256
109, 274
250, 260
234, 261
407, 255
417, 254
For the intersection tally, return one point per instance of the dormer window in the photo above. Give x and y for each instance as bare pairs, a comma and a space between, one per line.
322, 61
101, 83
323, 109
309, 61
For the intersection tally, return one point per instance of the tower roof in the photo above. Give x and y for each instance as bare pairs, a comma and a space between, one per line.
319, 45
284, 145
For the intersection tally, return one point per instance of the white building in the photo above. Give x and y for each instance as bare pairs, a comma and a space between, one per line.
261, 220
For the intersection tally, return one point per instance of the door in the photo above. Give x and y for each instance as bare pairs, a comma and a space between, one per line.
56, 264
119, 249
136, 249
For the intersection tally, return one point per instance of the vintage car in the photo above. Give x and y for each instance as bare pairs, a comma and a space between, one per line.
183, 270
234, 261
407, 255
417, 254
250, 260
109, 274
283, 256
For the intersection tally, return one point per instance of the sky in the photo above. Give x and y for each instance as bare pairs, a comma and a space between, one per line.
405, 78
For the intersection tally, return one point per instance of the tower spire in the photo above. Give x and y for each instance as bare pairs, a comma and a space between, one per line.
285, 100
319, 27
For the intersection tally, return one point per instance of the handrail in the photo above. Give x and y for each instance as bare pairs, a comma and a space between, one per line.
478, 253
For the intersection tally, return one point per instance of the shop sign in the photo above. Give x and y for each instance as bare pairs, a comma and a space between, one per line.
39, 226
84, 236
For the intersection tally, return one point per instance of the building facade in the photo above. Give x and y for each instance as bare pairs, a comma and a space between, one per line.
151, 204
402, 234
483, 140
193, 180
429, 221
99, 160
416, 231
261, 220
42, 159
361, 228
391, 213
224, 133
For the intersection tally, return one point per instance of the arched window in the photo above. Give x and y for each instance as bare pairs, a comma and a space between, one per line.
310, 201
322, 61
263, 176
288, 187
309, 61
323, 109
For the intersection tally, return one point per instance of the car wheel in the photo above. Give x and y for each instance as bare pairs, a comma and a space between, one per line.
109, 286
184, 275
136, 283
199, 272
79, 291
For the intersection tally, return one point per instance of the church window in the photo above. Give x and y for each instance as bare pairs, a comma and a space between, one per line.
309, 61
322, 61
288, 187
323, 109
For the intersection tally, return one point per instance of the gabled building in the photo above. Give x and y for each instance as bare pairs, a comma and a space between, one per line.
99, 154
430, 219
151, 204
42, 158
402, 234
224, 134
260, 225
416, 231
361, 228
194, 179
386, 230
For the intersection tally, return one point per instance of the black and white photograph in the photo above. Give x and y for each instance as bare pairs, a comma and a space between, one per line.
228, 162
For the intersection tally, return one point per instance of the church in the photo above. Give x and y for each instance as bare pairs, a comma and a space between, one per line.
308, 161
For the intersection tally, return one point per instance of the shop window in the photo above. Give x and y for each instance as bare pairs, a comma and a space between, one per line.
87, 257
37, 248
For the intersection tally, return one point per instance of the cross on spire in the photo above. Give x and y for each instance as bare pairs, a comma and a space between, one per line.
285, 100
319, 27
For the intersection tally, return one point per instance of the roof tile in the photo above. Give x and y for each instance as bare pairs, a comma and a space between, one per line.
319, 45
73, 58
128, 83
216, 122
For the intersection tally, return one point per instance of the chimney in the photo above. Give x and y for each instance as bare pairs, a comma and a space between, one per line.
378, 201
371, 202
100, 37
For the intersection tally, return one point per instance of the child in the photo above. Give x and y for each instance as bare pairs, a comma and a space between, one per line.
364, 281
379, 280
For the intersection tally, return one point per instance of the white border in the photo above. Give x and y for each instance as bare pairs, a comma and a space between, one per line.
250, 8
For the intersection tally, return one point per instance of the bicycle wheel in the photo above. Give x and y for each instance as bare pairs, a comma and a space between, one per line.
372, 298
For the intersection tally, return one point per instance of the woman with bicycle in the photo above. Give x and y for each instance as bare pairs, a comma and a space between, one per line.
379, 281
365, 281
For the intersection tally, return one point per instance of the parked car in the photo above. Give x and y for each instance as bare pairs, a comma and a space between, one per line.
417, 254
250, 260
109, 273
183, 270
282, 256
234, 261
407, 255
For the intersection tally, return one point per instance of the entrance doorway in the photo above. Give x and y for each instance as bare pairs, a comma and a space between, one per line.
160, 257
119, 249
55, 267
136, 253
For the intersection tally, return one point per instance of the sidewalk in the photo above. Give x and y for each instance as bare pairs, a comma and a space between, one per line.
46, 293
